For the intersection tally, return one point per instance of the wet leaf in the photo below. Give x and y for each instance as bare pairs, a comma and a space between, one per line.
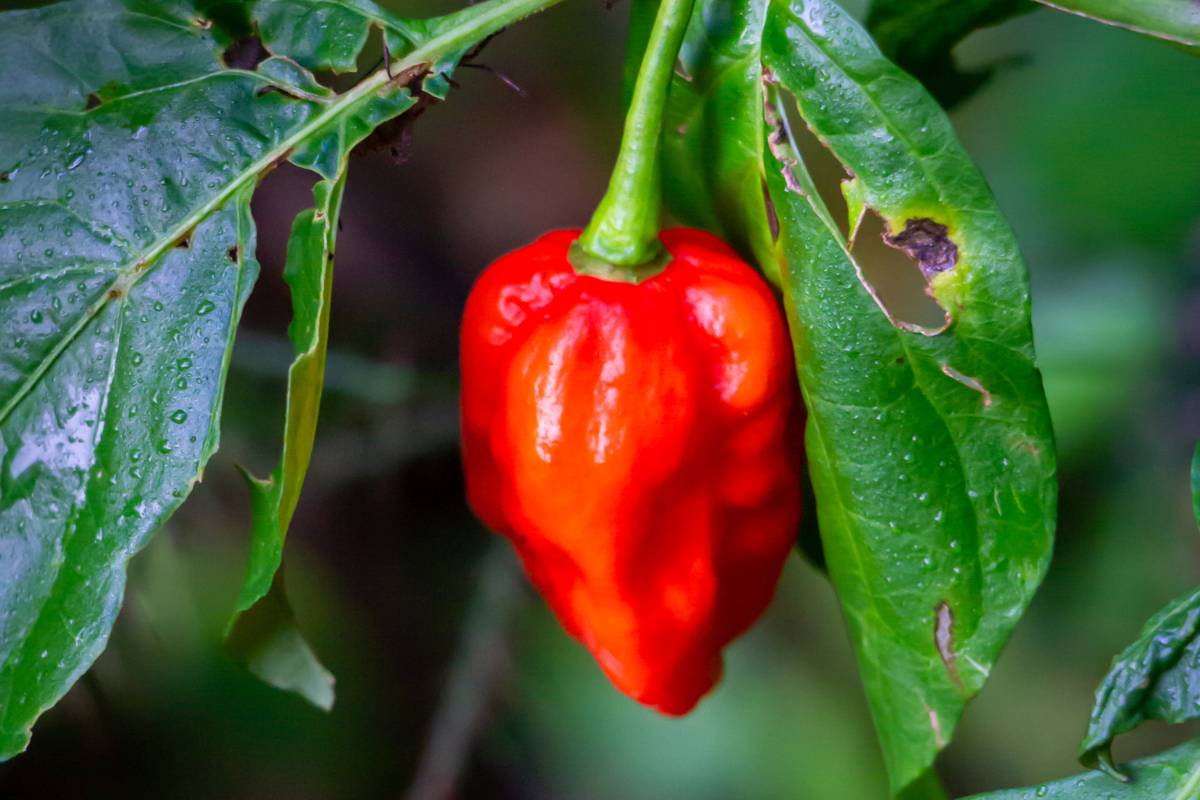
930, 450
1156, 677
1173, 775
129, 149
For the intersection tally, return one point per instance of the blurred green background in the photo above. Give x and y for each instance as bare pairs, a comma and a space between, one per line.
453, 680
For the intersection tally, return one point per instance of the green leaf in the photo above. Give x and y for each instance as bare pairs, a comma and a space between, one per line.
270, 645
1196, 482
713, 134
1156, 677
919, 36
268, 641
1173, 775
930, 450
309, 274
129, 149
1175, 21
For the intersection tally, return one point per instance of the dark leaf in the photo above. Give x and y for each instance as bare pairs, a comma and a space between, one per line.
920, 35
1156, 677
1173, 775
128, 153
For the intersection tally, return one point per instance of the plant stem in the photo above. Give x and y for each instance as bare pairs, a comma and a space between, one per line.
482, 661
624, 230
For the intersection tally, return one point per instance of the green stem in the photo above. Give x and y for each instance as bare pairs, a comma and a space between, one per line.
624, 230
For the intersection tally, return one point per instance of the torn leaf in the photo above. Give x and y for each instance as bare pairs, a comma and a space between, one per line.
930, 451
267, 641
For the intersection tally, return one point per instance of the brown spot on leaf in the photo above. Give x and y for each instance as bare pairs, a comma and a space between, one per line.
969, 382
772, 214
935, 725
184, 242
232, 253
778, 142
202, 23
410, 75
115, 294
280, 159
93, 101
1029, 447
926, 242
943, 637
245, 52
277, 89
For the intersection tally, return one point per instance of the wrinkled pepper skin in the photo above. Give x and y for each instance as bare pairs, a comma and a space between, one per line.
640, 447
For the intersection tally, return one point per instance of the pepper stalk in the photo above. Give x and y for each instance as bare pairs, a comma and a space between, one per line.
621, 240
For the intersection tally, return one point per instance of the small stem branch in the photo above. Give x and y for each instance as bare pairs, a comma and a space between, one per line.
624, 229
481, 663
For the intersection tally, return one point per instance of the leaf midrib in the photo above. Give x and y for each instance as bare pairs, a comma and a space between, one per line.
142, 262
452, 39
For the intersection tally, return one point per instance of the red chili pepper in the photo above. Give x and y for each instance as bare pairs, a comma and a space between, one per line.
638, 444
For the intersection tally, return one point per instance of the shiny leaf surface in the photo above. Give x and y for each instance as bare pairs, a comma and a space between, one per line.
1156, 677
931, 450
129, 149
713, 138
1173, 775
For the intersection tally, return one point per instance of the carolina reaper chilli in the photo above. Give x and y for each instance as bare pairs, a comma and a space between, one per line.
639, 446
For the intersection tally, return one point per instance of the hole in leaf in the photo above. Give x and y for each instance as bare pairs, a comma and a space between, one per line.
896, 278
93, 101
232, 253
245, 52
369, 59
772, 213
826, 171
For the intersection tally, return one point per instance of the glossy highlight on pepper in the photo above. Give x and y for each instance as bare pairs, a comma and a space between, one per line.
639, 445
